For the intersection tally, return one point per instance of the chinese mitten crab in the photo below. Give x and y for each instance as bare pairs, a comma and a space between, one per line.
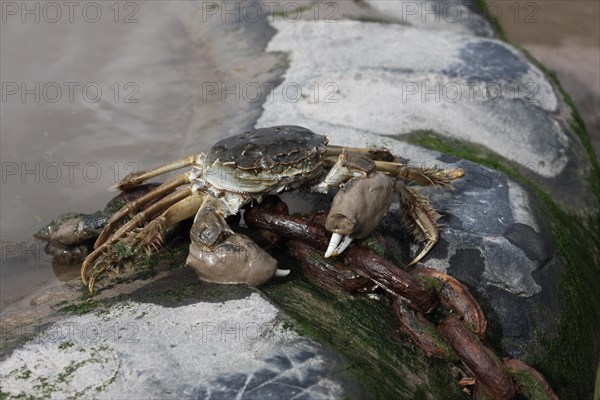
245, 168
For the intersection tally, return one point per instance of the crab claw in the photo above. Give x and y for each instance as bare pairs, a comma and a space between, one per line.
235, 260
357, 209
220, 255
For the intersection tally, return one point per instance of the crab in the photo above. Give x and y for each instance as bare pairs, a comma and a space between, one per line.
244, 169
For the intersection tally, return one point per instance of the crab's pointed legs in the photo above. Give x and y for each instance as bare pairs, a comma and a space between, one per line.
138, 220
421, 175
137, 178
151, 236
419, 217
135, 206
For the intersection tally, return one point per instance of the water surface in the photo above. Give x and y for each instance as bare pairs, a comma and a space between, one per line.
112, 97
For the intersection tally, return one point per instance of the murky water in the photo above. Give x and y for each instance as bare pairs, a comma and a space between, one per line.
105, 90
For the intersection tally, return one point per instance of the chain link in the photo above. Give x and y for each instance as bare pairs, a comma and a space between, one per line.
434, 309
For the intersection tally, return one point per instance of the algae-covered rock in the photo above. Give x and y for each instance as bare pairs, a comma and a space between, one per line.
234, 348
519, 230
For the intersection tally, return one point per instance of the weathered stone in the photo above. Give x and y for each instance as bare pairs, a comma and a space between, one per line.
235, 348
511, 230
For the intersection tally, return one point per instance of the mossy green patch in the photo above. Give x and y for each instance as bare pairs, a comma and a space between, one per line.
113, 206
83, 307
49, 386
20, 373
597, 386
374, 245
529, 386
123, 251
66, 344
375, 20
487, 13
570, 353
366, 332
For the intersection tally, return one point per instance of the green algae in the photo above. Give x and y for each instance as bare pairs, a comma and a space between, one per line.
44, 387
83, 307
529, 386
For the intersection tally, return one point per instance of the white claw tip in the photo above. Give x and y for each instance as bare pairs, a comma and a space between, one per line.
336, 238
282, 272
343, 246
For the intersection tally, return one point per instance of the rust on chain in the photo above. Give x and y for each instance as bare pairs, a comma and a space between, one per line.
455, 337
487, 368
390, 277
327, 273
456, 297
289, 226
362, 261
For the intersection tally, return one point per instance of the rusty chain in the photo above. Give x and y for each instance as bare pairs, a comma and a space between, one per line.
434, 309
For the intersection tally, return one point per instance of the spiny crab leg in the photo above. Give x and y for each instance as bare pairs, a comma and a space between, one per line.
135, 222
136, 178
95, 274
151, 235
419, 217
136, 205
421, 175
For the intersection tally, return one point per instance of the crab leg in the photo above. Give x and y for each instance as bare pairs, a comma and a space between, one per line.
419, 217
152, 234
422, 176
136, 205
135, 222
136, 178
